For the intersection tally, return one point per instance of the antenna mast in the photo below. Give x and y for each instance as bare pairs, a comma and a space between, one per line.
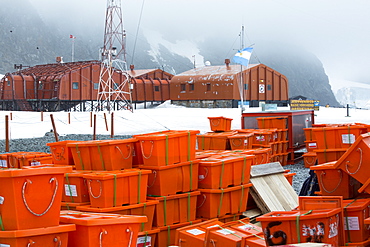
114, 81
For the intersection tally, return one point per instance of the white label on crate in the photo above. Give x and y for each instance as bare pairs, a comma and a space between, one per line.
145, 241
348, 138
201, 177
4, 245
225, 231
312, 145
260, 138
70, 190
35, 163
214, 226
1, 200
353, 224
245, 142
3, 163
195, 232
246, 227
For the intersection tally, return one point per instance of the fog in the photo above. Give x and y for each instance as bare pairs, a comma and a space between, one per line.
334, 30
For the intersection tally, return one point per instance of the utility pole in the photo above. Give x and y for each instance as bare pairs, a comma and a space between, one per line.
114, 81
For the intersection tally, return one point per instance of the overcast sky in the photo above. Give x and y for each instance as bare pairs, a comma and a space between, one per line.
334, 30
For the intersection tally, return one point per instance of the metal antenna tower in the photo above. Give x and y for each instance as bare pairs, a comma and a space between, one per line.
114, 81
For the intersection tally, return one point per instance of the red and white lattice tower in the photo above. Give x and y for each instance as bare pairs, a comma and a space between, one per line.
114, 81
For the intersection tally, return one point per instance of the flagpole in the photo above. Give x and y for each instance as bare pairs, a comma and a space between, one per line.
241, 73
73, 49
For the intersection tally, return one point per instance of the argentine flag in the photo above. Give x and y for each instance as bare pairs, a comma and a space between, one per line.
243, 56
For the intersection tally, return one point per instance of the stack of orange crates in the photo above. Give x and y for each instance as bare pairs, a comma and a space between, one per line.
30, 206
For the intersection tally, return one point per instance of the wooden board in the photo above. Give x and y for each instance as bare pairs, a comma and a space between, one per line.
266, 169
273, 193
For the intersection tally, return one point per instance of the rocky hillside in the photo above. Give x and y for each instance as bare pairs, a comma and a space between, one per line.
26, 39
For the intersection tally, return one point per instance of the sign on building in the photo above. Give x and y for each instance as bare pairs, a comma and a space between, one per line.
304, 104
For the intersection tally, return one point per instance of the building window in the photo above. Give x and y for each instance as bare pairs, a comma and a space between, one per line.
74, 85
115, 86
183, 87
96, 85
208, 86
245, 86
7, 82
268, 87
191, 87
156, 88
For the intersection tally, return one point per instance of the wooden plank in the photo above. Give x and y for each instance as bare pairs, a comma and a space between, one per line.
266, 169
266, 195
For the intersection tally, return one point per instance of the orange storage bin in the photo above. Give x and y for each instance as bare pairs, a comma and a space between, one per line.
167, 234
221, 172
194, 235
309, 159
334, 182
117, 188
75, 188
46, 237
93, 230
142, 209
355, 212
214, 203
147, 238
214, 141
326, 137
31, 198
356, 160
261, 155
328, 155
289, 227
255, 234
347, 135
263, 137
272, 122
103, 155
220, 123
61, 154
168, 147
289, 176
175, 209
241, 141
224, 236
20, 159
4, 161
172, 179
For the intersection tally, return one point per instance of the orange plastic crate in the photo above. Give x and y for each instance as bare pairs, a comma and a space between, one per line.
75, 189
172, 179
221, 172
168, 147
309, 159
61, 154
31, 198
194, 235
263, 137
334, 182
289, 177
272, 122
225, 236
167, 234
46, 237
241, 141
220, 123
214, 141
214, 203
355, 212
356, 160
261, 155
255, 234
142, 209
117, 188
95, 230
323, 226
175, 209
20, 159
147, 238
102, 155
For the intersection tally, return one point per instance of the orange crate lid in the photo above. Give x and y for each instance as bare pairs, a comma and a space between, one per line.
88, 219
37, 231
228, 189
35, 170
172, 197
104, 175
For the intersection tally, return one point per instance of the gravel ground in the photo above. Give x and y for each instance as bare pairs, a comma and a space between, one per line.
39, 145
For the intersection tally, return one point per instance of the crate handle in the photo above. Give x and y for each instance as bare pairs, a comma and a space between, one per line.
312, 162
218, 122
360, 163
58, 156
58, 241
322, 182
30, 242
129, 153
240, 142
103, 231
204, 200
131, 235
206, 169
90, 190
151, 150
52, 198
155, 177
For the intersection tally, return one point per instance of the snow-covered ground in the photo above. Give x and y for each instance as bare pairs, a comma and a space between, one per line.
163, 117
